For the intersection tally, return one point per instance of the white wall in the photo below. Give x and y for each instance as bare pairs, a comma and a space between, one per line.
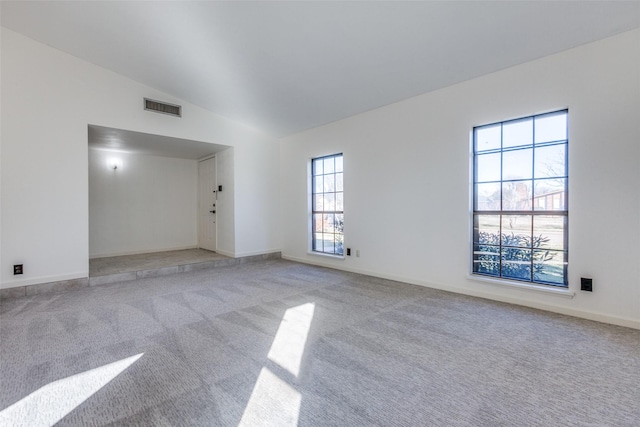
48, 99
147, 204
407, 179
254, 210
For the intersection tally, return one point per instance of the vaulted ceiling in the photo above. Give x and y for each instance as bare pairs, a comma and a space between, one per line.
284, 67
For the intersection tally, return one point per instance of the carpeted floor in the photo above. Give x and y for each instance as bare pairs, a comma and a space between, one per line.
280, 343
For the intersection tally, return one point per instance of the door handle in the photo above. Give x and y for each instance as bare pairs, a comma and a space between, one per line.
212, 211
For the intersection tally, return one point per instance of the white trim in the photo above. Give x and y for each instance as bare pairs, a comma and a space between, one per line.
310, 193
226, 253
252, 253
320, 261
553, 290
590, 315
200, 201
44, 279
326, 255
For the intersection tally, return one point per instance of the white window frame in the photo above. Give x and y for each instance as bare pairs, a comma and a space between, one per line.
326, 206
491, 258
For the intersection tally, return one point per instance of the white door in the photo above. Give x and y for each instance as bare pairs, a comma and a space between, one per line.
207, 204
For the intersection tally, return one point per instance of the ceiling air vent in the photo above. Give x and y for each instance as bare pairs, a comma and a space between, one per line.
162, 107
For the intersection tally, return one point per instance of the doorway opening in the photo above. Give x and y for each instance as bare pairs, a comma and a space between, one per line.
145, 201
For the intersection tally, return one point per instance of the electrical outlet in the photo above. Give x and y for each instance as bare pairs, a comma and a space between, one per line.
17, 269
358, 253
348, 251
586, 284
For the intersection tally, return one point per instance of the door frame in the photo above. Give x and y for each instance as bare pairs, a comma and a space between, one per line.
204, 159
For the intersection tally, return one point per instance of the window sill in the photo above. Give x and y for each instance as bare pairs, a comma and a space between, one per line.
320, 254
561, 292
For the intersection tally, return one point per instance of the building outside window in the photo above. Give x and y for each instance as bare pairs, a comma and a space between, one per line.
327, 202
520, 211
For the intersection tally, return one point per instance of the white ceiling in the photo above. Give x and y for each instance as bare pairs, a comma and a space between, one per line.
284, 67
104, 138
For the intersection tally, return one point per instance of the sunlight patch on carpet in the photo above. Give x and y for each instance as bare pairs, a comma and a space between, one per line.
288, 345
273, 402
52, 402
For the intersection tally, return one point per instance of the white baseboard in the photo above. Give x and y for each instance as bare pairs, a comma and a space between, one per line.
599, 317
43, 279
226, 253
583, 314
251, 253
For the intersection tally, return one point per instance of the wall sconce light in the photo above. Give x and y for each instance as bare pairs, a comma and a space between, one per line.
114, 163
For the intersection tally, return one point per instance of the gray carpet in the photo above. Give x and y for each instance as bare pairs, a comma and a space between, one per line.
196, 349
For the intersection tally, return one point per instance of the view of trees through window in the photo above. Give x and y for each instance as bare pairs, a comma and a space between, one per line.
520, 199
327, 205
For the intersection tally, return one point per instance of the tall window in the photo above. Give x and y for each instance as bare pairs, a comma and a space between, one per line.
327, 205
520, 199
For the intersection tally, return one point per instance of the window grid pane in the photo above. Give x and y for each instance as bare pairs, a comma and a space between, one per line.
520, 211
327, 204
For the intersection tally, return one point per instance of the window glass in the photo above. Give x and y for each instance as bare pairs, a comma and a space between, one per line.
517, 164
488, 137
551, 127
550, 161
517, 133
488, 167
